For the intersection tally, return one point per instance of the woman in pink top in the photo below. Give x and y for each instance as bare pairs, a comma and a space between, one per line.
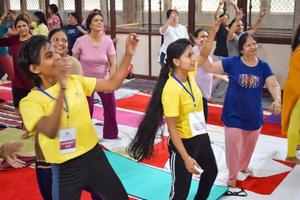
97, 55
54, 21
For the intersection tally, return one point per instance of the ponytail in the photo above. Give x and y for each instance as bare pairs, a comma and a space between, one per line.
142, 144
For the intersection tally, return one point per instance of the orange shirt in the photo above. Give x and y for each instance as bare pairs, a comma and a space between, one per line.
291, 91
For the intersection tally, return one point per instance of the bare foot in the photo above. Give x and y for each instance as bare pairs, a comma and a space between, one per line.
293, 160
231, 183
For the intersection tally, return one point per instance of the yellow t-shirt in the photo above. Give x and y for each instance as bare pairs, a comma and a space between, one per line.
178, 103
37, 105
40, 29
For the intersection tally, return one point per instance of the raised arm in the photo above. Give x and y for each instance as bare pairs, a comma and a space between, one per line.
49, 125
258, 22
164, 28
205, 51
217, 13
235, 6
117, 78
239, 16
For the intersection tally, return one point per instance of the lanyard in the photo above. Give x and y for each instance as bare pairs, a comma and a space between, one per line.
189, 92
66, 108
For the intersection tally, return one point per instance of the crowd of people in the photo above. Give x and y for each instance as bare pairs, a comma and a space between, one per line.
55, 70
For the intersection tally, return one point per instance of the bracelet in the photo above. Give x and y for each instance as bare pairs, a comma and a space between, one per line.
278, 100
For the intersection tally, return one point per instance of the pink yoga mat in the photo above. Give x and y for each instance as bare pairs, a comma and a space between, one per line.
123, 117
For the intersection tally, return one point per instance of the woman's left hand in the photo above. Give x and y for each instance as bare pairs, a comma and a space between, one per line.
276, 107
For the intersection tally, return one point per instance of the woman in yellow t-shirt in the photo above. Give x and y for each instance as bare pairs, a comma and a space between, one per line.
291, 103
40, 26
57, 110
178, 98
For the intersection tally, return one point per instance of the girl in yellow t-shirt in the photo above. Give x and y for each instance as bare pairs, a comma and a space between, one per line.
179, 100
57, 110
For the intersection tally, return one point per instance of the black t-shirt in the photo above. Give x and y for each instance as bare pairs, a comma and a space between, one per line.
221, 46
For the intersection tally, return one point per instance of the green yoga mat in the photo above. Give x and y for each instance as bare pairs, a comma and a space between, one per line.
150, 183
13, 134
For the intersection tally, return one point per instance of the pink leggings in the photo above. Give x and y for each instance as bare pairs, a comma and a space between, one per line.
239, 145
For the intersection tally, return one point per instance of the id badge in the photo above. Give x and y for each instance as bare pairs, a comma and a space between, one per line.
197, 123
67, 140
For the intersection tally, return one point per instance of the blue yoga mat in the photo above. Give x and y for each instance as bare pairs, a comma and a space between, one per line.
150, 183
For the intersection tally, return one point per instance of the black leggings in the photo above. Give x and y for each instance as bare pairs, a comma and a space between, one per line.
44, 177
198, 148
91, 170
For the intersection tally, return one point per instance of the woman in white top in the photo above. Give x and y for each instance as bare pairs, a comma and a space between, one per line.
171, 31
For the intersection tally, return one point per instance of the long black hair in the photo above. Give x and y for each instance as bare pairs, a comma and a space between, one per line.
142, 144
41, 16
54, 9
296, 40
29, 54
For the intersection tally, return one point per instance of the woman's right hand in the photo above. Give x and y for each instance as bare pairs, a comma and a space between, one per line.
62, 65
131, 44
190, 164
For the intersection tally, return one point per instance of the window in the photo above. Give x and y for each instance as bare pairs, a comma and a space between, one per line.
69, 5
91, 4
154, 5
33, 4
53, 2
119, 5
180, 5
255, 6
279, 6
210, 5
15, 5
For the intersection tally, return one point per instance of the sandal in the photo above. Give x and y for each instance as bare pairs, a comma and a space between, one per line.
241, 193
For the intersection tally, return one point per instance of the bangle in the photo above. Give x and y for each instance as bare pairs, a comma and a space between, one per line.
278, 100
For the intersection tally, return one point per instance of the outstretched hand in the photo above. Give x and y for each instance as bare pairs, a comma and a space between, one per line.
10, 148
262, 13
14, 161
233, 3
239, 15
131, 44
9, 153
218, 23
